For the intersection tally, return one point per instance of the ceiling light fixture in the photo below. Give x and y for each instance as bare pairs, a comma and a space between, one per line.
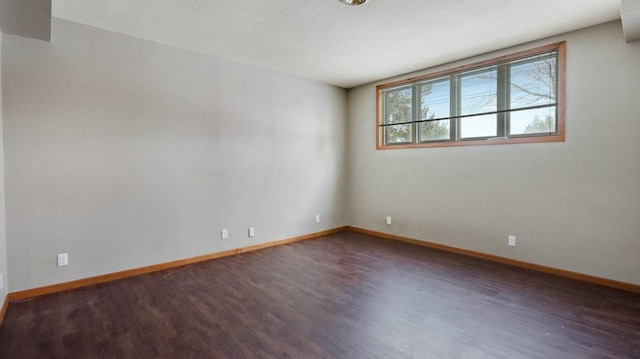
353, 2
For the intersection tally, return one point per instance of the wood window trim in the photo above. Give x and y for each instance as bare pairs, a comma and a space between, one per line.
559, 136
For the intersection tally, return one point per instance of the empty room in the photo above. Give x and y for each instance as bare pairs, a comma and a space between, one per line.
320, 179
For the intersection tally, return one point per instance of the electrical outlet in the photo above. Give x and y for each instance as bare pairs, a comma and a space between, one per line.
388, 219
224, 234
252, 231
63, 259
512, 241
317, 218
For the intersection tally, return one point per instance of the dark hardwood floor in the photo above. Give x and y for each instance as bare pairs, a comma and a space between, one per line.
346, 295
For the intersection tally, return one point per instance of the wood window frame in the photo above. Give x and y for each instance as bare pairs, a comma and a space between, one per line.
558, 136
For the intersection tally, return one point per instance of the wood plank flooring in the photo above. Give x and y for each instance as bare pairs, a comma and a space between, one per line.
346, 295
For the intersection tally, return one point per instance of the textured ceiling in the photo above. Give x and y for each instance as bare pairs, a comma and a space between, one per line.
327, 41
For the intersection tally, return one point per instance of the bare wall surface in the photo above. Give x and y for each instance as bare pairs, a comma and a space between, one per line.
3, 233
573, 205
126, 153
29, 18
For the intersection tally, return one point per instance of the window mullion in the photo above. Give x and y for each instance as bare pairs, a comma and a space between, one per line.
415, 113
454, 101
502, 100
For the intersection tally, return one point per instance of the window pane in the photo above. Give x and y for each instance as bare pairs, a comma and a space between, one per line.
434, 103
479, 91
479, 94
540, 120
479, 126
397, 134
533, 82
434, 130
434, 99
398, 105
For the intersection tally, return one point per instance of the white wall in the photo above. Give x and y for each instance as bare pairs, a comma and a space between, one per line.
126, 153
3, 233
573, 205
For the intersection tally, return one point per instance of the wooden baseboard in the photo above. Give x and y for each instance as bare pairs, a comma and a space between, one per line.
3, 310
516, 263
30, 293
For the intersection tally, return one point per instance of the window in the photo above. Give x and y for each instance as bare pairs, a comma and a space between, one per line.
512, 99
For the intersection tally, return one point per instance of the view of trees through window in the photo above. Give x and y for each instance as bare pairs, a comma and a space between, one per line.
510, 99
399, 105
399, 109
